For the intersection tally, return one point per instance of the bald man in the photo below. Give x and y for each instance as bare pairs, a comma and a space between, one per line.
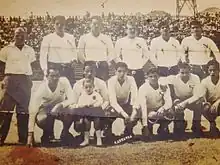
16, 85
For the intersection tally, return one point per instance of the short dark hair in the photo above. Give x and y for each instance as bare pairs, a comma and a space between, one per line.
121, 65
183, 65
152, 70
59, 17
213, 63
196, 23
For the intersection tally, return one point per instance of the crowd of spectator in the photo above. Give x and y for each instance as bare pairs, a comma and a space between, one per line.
113, 25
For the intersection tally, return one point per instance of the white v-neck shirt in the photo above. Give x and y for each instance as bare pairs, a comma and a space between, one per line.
44, 96
211, 90
181, 89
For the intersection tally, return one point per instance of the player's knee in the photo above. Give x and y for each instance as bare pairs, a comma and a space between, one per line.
41, 120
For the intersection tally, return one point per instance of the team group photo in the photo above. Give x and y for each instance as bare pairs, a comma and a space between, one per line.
107, 81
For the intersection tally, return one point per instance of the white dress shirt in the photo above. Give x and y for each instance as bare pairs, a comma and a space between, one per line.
93, 48
165, 53
199, 50
134, 52
17, 61
119, 94
45, 97
57, 49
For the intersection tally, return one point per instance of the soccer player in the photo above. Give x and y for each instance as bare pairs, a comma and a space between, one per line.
155, 101
97, 48
209, 92
58, 50
166, 52
183, 85
133, 51
199, 50
123, 97
16, 85
49, 103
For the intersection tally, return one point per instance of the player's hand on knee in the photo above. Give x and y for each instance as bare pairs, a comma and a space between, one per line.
30, 141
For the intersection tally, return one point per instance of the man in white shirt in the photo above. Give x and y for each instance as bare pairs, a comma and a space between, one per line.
49, 103
122, 91
58, 50
209, 92
156, 102
133, 51
199, 50
97, 48
16, 85
183, 85
166, 52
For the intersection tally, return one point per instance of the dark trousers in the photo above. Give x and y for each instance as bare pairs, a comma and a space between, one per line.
102, 69
17, 92
138, 75
167, 71
66, 70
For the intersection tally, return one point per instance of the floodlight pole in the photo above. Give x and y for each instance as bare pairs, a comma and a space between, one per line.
191, 5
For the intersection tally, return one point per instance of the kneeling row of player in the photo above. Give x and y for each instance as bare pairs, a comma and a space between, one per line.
89, 101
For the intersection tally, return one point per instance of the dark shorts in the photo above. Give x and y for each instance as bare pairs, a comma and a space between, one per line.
16, 91
138, 75
167, 71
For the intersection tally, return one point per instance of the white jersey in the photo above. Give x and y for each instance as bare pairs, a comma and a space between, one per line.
57, 49
133, 52
199, 50
93, 48
165, 53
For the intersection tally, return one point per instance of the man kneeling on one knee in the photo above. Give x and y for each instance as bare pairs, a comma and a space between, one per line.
155, 101
47, 104
123, 98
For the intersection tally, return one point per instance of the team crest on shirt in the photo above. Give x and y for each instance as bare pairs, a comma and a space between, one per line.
138, 46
